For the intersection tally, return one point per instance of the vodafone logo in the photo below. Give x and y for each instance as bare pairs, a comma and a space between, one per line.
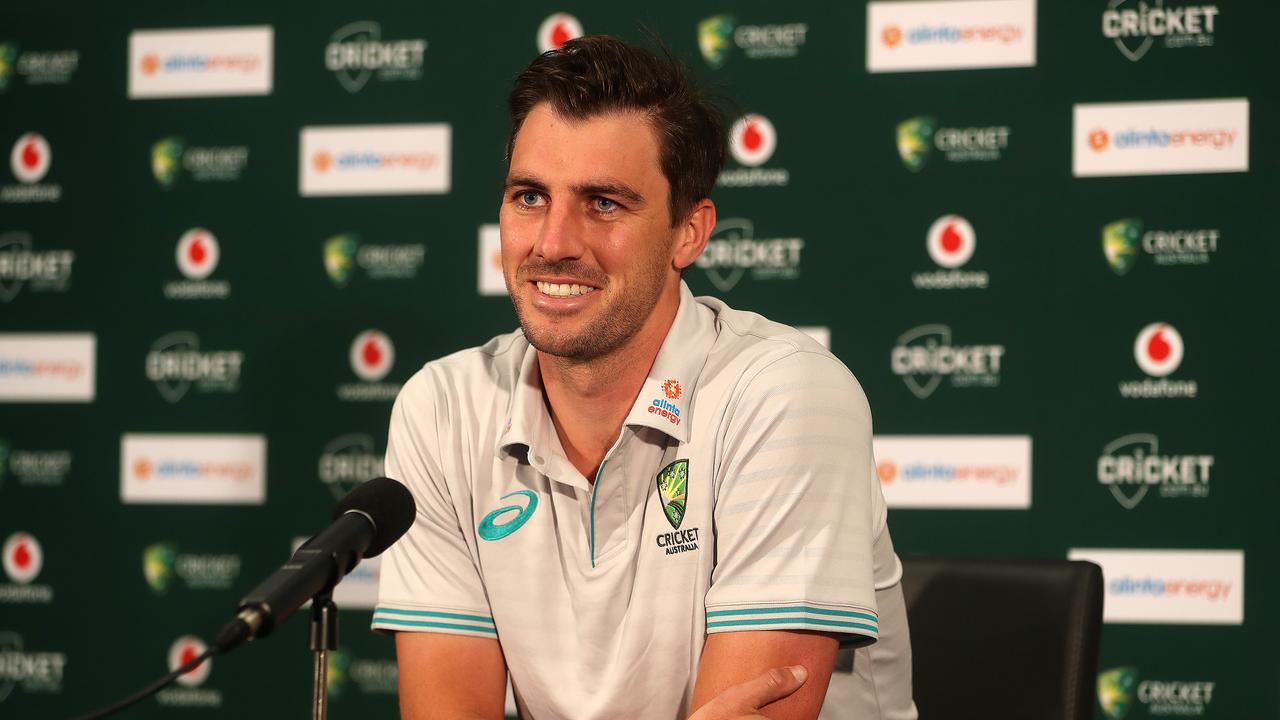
752, 140
951, 241
372, 355
197, 253
23, 558
1158, 349
30, 158
557, 30
184, 650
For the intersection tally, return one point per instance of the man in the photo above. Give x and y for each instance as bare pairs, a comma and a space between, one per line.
642, 505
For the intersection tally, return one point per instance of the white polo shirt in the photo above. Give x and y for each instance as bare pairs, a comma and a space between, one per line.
740, 495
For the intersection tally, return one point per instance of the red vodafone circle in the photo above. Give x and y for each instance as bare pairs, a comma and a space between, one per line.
951, 241
184, 650
23, 557
1158, 349
372, 355
30, 158
557, 30
197, 253
752, 140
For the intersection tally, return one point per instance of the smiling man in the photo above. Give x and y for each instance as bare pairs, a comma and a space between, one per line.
641, 504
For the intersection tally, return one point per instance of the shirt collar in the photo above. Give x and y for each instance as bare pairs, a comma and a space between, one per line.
664, 402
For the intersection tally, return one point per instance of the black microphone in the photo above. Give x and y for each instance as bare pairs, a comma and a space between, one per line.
366, 522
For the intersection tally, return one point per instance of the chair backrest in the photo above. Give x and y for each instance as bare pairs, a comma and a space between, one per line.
1003, 638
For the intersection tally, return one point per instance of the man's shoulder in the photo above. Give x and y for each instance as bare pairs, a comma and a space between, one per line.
747, 343
491, 367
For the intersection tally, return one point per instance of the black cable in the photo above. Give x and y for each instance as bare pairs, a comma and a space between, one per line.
149, 690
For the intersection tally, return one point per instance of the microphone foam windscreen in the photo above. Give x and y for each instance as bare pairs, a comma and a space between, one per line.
389, 503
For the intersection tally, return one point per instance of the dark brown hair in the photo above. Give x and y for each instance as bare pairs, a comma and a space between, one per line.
599, 74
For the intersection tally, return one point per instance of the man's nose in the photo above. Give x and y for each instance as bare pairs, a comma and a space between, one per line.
561, 233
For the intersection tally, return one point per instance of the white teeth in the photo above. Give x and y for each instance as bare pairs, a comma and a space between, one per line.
563, 289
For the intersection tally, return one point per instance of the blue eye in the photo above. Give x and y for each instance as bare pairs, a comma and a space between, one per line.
605, 205
529, 198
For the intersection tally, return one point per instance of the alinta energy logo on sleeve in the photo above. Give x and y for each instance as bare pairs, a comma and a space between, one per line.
490, 281
925, 355
1135, 26
347, 461
1127, 239
1158, 351
1122, 689
372, 356
1160, 138
556, 30
950, 243
752, 140
1133, 465
23, 561
48, 367
345, 253
918, 137
188, 692
955, 471
29, 161
36, 67
24, 267
33, 468
197, 255
356, 52
200, 62
37, 673
176, 364
171, 157
719, 35
374, 160
950, 35
1169, 587
209, 469
163, 562
733, 250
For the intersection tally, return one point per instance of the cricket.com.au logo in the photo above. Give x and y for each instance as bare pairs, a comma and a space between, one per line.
24, 267
347, 461
1125, 240
720, 34
164, 562
32, 672
176, 364
673, 493
1136, 25
925, 355
48, 67
344, 253
33, 468
1120, 690
733, 250
357, 52
172, 156
1133, 465
919, 136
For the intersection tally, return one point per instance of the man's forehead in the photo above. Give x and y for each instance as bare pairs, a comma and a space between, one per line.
619, 138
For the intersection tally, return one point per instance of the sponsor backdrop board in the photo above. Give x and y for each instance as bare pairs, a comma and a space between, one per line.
1038, 232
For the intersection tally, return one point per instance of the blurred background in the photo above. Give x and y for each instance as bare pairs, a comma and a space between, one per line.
1041, 234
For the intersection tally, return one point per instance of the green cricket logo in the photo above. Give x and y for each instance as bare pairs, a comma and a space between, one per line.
157, 565
8, 58
166, 160
1115, 691
714, 35
915, 140
1120, 243
673, 481
339, 256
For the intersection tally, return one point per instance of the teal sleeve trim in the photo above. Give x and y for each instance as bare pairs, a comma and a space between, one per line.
793, 609
747, 622
380, 620
384, 610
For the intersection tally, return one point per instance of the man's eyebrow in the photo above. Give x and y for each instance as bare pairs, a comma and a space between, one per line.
609, 186
528, 181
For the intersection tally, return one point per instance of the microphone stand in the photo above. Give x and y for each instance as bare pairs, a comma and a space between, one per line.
324, 637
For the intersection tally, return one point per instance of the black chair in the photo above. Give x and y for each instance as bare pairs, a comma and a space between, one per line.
1003, 638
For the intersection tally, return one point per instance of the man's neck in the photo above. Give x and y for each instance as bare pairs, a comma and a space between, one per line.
589, 400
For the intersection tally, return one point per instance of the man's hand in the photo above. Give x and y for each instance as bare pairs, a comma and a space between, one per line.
743, 701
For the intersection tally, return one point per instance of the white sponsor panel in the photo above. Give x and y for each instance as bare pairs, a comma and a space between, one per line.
193, 469
950, 35
47, 367
1160, 138
491, 281
954, 471
375, 160
1172, 587
358, 589
203, 62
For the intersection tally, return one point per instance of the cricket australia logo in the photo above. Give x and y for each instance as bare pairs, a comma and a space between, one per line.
673, 480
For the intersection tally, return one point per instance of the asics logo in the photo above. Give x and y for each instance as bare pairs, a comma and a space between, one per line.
491, 529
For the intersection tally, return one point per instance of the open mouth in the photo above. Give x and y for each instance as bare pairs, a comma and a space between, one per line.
563, 289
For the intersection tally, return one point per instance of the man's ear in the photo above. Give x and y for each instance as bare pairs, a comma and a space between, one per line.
693, 233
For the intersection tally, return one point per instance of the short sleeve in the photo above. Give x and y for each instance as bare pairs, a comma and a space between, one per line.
429, 579
798, 509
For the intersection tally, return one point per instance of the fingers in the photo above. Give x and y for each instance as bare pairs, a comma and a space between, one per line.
769, 687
